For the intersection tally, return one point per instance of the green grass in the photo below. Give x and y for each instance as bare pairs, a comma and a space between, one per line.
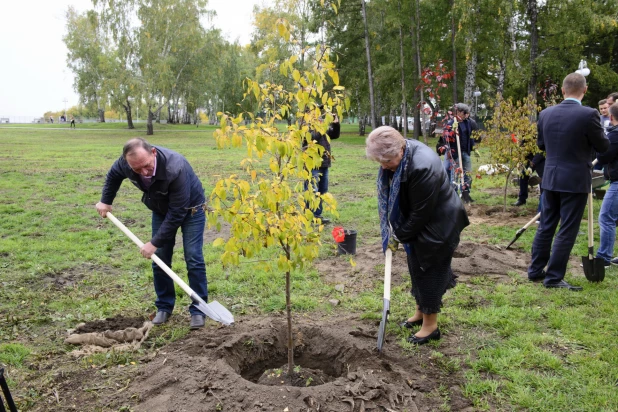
520, 346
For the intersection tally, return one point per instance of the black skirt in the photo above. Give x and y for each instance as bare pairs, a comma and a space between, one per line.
429, 285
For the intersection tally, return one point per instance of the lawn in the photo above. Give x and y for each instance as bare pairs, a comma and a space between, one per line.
518, 346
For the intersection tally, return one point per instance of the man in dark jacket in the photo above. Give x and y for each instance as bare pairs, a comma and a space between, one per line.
320, 175
418, 207
568, 133
174, 194
609, 208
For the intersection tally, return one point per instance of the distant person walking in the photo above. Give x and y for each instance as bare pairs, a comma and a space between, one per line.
51, 119
72, 122
568, 133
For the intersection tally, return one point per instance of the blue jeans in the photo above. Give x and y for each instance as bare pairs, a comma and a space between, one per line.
193, 241
467, 168
320, 185
607, 222
447, 166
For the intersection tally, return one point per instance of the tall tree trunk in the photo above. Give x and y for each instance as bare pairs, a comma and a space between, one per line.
101, 115
149, 127
501, 76
533, 14
470, 76
127, 110
404, 103
159, 112
369, 71
417, 41
170, 113
453, 32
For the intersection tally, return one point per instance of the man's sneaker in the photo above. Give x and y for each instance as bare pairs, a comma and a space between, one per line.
614, 261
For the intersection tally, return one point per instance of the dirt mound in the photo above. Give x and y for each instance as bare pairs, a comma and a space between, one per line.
218, 369
472, 260
115, 323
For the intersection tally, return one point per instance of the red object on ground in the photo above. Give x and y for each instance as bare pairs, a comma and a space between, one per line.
338, 234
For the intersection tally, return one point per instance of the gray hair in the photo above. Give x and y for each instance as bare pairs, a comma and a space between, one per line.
384, 144
132, 145
462, 107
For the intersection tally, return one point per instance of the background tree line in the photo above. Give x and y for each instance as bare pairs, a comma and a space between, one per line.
162, 54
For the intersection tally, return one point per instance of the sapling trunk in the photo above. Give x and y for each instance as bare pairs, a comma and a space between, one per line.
288, 307
506, 185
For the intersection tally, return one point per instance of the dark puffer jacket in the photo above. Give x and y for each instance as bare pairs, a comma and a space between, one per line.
432, 215
333, 132
174, 190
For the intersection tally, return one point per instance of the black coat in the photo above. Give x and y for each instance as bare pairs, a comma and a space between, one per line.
333, 132
432, 215
175, 188
610, 157
569, 133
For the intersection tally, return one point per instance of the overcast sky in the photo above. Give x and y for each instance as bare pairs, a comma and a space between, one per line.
34, 77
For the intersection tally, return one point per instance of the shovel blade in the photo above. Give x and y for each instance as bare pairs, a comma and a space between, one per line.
598, 273
588, 265
214, 310
382, 329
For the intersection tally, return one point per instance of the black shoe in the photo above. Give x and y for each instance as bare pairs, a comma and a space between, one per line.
519, 203
537, 279
563, 285
410, 325
323, 220
614, 261
161, 318
197, 321
435, 335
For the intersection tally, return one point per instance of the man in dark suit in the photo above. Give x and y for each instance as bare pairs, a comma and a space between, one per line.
569, 133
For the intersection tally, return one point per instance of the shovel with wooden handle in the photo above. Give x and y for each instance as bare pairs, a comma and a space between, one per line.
213, 310
387, 298
523, 229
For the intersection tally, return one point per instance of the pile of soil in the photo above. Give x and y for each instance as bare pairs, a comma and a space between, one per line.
219, 368
115, 323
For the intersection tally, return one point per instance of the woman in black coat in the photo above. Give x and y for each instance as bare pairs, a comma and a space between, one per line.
419, 208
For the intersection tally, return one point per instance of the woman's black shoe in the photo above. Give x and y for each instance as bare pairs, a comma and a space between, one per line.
410, 325
435, 335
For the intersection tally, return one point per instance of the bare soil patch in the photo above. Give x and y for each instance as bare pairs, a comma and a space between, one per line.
470, 260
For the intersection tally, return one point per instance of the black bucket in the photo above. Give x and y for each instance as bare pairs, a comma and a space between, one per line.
348, 246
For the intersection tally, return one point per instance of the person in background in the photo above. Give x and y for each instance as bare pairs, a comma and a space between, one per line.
72, 122
320, 174
419, 208
174, 194
612, 98
603, 107
534, 163
608, 216
568, 133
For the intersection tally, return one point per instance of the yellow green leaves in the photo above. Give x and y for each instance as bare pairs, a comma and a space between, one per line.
269, 204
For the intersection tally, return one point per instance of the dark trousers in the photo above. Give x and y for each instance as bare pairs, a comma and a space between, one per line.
567, 208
